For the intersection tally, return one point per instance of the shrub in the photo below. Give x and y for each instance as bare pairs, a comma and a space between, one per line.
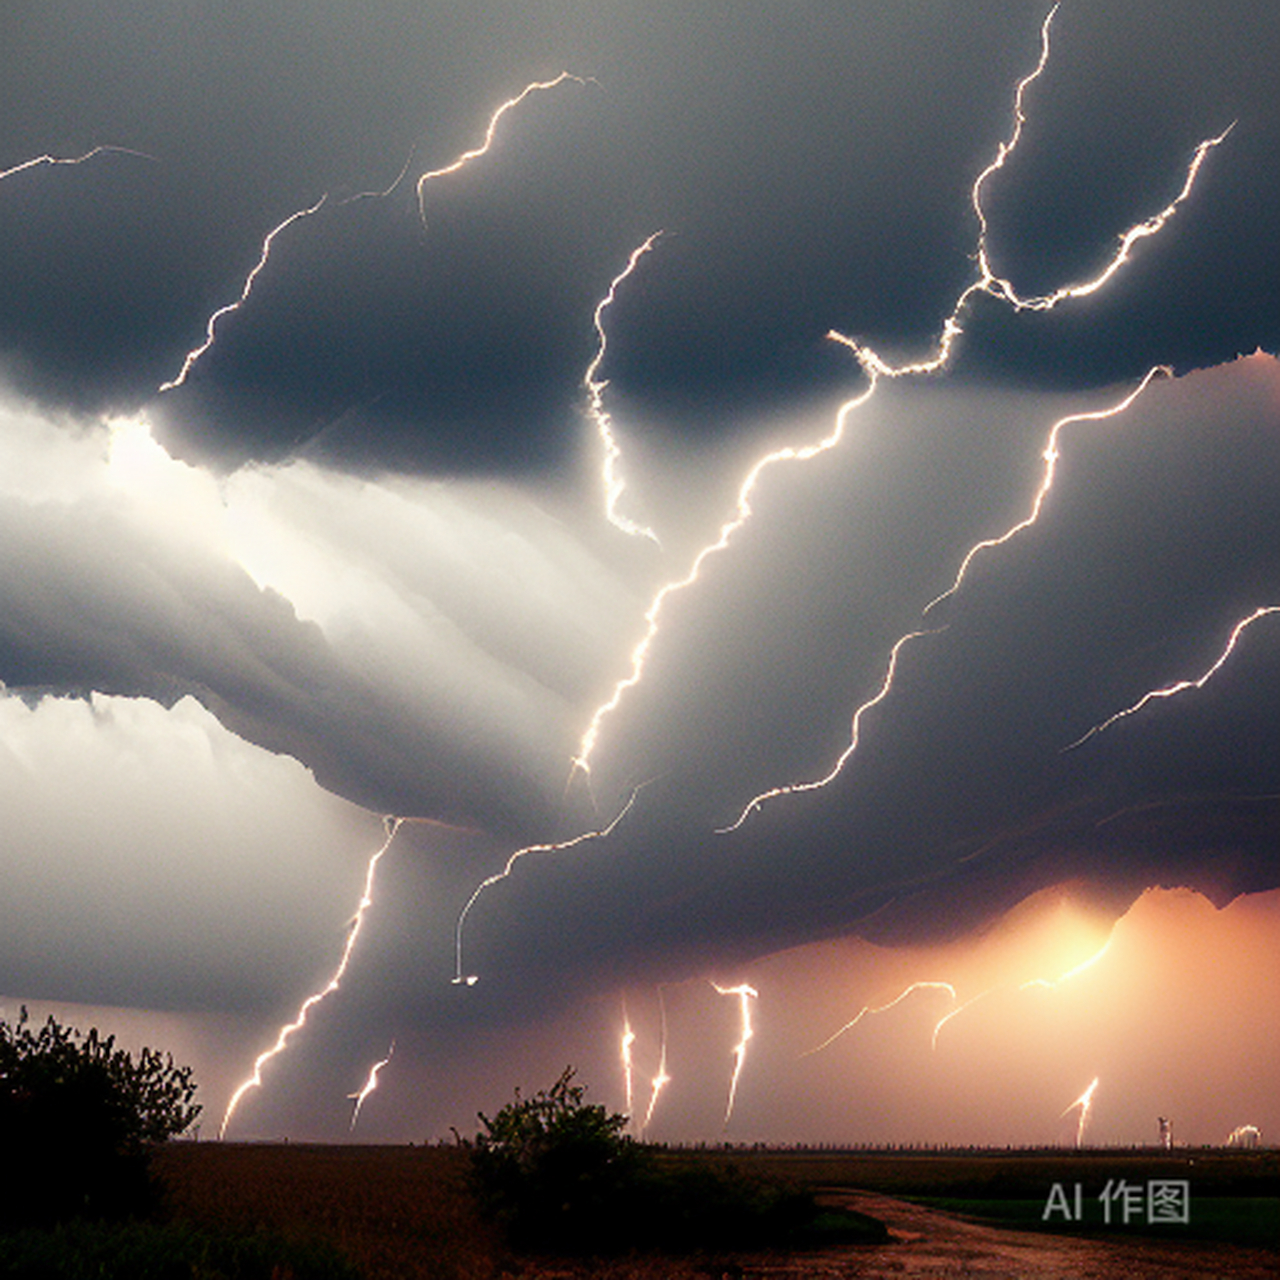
555, 1170
78, 1119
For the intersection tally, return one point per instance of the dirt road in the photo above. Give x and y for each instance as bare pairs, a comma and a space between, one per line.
927, 1243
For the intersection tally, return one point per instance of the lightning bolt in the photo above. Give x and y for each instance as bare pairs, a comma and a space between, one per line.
37, 162
1085, 1103
1181, 686
628, 1039
391, 825
882, 1008
874, 367
745, 995
470, 979
369, 1086
661, 1079
1050, 454
475, 153
211, 325
613, 483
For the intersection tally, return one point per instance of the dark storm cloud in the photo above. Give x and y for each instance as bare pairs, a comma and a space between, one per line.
1159, 536
813, 165
435, 648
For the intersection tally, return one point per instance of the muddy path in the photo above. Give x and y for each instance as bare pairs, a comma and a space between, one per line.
929, 1243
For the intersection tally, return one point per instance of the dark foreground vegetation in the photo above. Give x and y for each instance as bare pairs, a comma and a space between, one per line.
548, 1186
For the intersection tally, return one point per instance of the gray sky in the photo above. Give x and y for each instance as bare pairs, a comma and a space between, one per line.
357, 563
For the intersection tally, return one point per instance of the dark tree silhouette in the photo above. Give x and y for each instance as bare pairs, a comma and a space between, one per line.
78, 1120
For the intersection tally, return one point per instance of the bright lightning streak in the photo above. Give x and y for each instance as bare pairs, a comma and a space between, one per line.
37, 162
613, 483
1245, 1135
882, 1008
743, 512
1050, 455
211, 325
467, 156
1085, 1103
1181, 686
661, 1079
628, 1039
392, 825
797, 788
470, 979
369, 1086
987, 282
745, 995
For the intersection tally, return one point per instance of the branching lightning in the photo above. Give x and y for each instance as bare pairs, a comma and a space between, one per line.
391, 825
211, 325
875, 367
613, 482
1181, 686
467, 156
369, 1086
1085, 1103
745, 996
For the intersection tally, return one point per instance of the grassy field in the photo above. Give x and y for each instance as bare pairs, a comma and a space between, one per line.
298, 1212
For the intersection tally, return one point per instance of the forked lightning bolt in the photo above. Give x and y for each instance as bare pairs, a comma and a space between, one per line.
1085, 1103
476, 152
874, 367
613, 482
1181, 686
369, 1085
392, 825
987, 282
746, 994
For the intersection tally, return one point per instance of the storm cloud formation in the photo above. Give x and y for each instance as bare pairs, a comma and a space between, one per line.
366, 534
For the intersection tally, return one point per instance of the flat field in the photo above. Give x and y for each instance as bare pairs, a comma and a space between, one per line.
406, 1212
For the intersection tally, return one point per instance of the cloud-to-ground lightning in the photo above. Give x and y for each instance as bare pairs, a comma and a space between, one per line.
746, 994
660, 1079
211, 325
37, 162
254, 1081
1181, 686
613, 482
1085, 1103
624, 1050
489, 134
369, 1086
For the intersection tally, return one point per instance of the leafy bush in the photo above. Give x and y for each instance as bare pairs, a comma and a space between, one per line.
78, 1119
553, 1169
559, 1174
